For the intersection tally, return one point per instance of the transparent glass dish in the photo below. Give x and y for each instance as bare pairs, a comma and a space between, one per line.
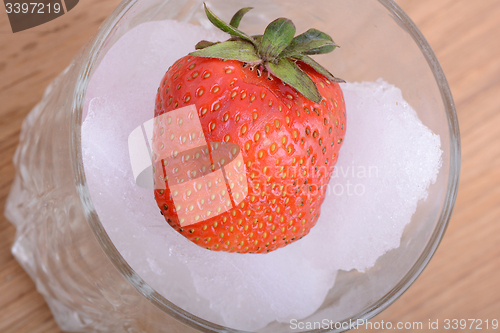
61, 243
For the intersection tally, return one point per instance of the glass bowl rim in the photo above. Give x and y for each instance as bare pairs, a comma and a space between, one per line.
90, 55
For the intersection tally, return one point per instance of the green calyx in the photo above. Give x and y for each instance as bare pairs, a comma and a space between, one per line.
275, 52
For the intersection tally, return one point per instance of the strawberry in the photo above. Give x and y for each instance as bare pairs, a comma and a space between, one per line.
268, 115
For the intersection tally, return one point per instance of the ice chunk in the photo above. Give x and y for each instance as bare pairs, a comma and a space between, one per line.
386, 164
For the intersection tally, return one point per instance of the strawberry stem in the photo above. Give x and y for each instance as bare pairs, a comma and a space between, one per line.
276, 51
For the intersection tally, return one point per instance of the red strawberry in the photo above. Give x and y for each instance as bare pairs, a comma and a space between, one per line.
263, 98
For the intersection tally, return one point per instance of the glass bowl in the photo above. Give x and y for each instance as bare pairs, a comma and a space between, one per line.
62, 244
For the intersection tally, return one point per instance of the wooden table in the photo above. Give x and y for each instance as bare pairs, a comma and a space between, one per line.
463, 279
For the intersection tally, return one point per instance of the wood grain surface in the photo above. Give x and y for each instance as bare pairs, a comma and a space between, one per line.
463, 279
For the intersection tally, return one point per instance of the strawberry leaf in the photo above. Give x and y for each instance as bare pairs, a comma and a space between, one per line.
276, 38
235, 21
233, 50
258, 40
313, 35
288, 72
225, 27
203, 44
317, 67
276, 51
308, 46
